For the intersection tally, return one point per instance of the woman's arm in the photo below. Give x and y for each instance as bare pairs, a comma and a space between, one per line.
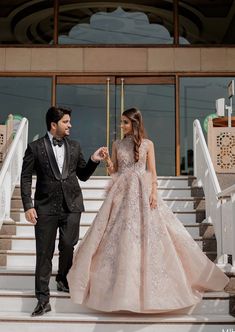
152, 169
111, 163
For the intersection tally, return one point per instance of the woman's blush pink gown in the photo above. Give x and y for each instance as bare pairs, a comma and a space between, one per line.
137, 259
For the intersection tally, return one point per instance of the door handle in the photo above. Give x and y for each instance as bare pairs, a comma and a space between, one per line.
107, 111
122, 101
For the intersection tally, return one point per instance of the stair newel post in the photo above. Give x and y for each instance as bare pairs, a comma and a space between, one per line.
233, 229
195, 150
222, 259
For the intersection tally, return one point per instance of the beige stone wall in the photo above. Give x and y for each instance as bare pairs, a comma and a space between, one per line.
88, 60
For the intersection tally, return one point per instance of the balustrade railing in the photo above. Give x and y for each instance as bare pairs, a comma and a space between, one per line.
11, 169
220, 205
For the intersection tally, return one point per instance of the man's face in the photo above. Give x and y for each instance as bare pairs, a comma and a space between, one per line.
62, 128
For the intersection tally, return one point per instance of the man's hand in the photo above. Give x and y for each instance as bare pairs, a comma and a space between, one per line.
31, 216
99, 154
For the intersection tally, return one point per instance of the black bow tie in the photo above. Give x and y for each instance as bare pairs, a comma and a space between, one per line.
57, 141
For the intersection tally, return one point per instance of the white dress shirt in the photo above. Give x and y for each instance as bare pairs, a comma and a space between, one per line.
58, 152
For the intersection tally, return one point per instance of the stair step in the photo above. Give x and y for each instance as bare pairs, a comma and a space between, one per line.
20, 235
21, 279
177, 204
13, 278
27, 242
12, 258
25, 229
163, 181
19, 216
183, 203
169, 192
19, 322
172, 182
100, 192
16, 257
24, 300
98, 318
189, 217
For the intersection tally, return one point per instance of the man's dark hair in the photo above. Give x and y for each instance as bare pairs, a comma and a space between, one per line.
55, 114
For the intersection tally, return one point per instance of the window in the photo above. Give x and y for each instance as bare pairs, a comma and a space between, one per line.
29, 97
26, 22
139, 22
197, 101
207, 22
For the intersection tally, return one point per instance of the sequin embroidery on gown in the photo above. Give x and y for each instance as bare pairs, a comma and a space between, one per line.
137, 259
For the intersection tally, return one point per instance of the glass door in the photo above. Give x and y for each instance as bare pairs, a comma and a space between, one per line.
155, 97
97, 103
92, 100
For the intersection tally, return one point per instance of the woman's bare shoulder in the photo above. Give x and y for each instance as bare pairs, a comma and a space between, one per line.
116, 142
149, 142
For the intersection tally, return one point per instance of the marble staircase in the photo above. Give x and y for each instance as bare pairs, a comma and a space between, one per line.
17, 261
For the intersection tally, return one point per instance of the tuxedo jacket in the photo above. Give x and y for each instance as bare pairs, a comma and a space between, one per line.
52, 187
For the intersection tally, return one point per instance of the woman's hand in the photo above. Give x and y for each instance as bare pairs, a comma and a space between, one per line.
106, 157
153, 201
105, 153
100, 154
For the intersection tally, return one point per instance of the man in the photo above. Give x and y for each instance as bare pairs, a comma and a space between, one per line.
58, 202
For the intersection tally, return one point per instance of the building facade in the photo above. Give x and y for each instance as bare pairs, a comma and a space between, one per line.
171, 59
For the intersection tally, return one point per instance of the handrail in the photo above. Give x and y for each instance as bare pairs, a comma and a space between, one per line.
207, 157
206, 177
227, 192
11, 169
220, 205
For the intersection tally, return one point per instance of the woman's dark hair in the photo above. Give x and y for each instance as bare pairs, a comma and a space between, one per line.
135, 116
55, 114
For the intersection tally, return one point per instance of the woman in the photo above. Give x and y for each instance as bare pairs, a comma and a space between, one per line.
137, 255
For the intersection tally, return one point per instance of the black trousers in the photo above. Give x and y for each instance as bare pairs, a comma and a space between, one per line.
45, 233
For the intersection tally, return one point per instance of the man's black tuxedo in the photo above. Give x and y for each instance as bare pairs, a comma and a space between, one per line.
51, 185
58, 202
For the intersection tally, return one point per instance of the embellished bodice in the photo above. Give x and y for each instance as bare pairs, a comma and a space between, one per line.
125, 155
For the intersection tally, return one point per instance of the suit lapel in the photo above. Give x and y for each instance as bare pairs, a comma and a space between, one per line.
51, 158
65, 170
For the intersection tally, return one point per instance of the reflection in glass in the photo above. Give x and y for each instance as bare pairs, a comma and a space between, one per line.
29, 97
197, 101
207, 22
157, 104
88, 103
26, 22
90, 23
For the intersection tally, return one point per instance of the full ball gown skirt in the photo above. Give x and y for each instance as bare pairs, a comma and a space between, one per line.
137, 259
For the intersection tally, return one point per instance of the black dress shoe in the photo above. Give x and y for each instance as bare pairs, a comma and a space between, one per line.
41, 308
61, 287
